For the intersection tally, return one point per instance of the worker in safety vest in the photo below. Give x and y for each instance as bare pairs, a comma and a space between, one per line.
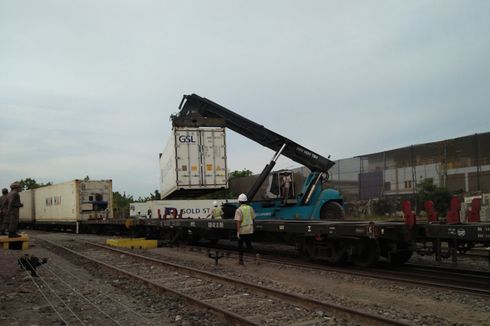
216, 212
244, 217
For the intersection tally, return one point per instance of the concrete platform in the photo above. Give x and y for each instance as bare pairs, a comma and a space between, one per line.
136, 243
19, 243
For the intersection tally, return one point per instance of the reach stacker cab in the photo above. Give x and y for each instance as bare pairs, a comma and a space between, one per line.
312, 202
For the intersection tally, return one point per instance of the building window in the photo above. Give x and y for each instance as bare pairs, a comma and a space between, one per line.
408, 184
387, 186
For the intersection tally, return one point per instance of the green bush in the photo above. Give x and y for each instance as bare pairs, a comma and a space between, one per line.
427, 190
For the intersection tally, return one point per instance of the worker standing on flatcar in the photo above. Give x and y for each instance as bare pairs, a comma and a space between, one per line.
216, 212
244, 217
4, 208
14, 204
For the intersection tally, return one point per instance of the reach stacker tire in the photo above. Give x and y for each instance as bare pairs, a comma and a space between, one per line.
332, 211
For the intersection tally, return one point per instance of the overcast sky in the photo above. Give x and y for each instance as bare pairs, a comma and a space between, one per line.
87, 87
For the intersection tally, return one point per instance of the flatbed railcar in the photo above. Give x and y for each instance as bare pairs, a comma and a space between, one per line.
333, 241
447, 241
360, 242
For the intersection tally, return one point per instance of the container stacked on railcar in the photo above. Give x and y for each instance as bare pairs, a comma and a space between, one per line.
71, 201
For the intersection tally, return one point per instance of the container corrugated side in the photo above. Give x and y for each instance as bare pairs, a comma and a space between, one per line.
58, 203
213, 157
168, 168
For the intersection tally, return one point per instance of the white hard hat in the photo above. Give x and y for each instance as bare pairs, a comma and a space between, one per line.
215, 203
242, 198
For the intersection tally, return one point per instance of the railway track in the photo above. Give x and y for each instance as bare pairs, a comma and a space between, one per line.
76, 302
231, 300
464, 281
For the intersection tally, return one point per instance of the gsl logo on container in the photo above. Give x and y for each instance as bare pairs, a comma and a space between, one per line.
186, 139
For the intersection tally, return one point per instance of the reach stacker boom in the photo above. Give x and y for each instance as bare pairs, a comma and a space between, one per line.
311, 203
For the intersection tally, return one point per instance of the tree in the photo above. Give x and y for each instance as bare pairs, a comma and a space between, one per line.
120, 204
240, 174
427, 190
30, 183
155, 195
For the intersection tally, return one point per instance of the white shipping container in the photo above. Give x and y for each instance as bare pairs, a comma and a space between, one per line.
70, 201
58, 202
196, 209
26, 213
139, 209
193, 159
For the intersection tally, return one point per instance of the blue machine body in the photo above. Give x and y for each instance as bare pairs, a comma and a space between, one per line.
302, 208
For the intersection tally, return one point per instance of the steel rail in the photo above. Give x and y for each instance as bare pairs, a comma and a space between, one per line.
390, 275
58, 297
383, 274
105, 295
44, 295
83, 296
228, 316
338, 311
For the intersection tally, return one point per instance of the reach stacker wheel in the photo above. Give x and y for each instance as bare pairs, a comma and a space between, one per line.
332, 211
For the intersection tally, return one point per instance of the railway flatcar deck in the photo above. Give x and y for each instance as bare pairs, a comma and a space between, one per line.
361, 242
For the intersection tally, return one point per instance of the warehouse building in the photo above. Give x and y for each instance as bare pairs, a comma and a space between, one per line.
460, 165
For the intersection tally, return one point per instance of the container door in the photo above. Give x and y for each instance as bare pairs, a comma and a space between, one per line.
213, 157
188, 158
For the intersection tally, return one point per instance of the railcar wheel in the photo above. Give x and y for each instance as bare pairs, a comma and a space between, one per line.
464, 247
400, 258
304, 250
332, 211
365, 253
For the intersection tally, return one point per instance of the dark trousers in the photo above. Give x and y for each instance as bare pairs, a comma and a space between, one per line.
3, 222
247, 238
13, 223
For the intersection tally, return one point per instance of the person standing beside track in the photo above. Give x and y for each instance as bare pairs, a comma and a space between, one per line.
244, 217
14, 204
4, 208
